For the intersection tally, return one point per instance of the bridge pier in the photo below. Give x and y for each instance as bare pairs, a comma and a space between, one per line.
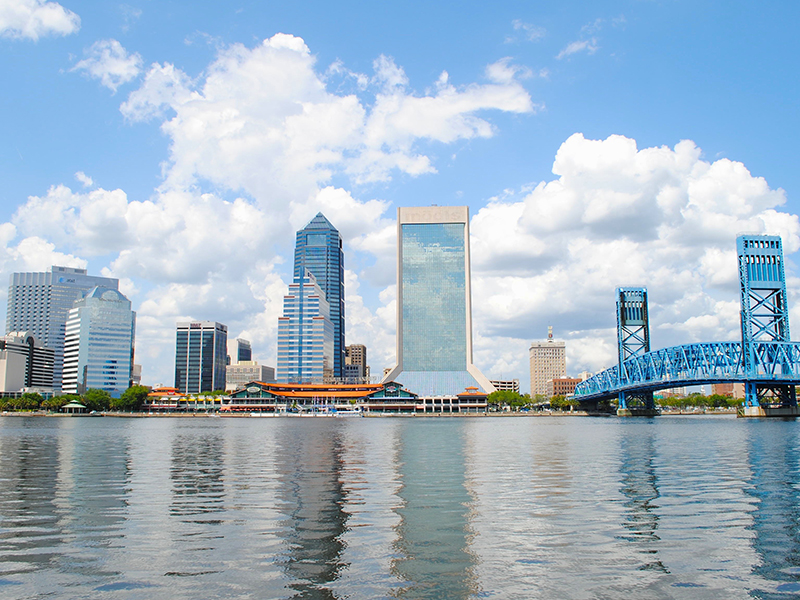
637, 404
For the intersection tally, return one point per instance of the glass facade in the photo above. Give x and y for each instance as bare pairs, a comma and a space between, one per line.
319, 249
305, 334
201, 350
39, 303
434, 297
99, 343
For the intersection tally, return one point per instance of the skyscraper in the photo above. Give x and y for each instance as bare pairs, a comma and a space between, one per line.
305, 334
319, 249
99, 343
434, 303
38, 303
244, 351
548, 361
201, 350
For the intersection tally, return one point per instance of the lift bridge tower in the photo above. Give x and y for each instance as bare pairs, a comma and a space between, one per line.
633, 339
764, 315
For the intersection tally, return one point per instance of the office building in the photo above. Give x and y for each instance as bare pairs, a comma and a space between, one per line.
99, 343
319, 249
548, 361
510, 385
356, 368
25, 364
244, 352
434, 303
38, 303
200, 356
239, 375
561, 386
305, 334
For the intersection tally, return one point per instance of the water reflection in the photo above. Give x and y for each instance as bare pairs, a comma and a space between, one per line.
776, 521
434, 536
197, 470
639, 486
309, 464
29, 531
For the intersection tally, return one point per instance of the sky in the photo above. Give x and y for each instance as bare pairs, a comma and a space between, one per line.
179, 145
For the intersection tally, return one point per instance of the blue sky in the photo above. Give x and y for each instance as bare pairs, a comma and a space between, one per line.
171, 168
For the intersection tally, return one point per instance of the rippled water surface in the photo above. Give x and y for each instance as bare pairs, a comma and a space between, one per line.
480, 507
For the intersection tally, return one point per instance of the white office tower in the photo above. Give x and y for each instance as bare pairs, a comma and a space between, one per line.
38, 303
99, 340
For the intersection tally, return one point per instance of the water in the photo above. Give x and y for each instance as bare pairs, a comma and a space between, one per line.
482, 507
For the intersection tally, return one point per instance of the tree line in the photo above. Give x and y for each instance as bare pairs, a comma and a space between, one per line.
93, 399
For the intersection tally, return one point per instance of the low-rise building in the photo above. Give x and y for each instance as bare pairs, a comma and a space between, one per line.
561, 386
239, 375
511, 385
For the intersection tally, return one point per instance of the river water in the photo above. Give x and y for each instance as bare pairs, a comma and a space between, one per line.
480, 507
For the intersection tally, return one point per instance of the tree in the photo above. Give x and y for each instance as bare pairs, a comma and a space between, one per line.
56, 402
131, 399
96, 399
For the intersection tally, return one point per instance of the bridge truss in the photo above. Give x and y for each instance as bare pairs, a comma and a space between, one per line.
765, 360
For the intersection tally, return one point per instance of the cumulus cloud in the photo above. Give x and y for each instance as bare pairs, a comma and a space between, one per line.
262, 120
616, 215
33, 19
84, 179
109, 62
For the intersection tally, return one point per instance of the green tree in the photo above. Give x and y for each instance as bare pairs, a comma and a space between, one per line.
558, 402
96, 399
56, 402
131, 399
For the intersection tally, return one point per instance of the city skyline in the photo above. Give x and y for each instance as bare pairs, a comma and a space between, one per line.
590, 143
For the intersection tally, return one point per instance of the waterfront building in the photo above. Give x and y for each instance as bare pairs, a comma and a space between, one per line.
732, 390
510, 385
136, 375
200, 356
318, 248
25, 364
434, 303
561, 386
547, 361
305, 334
245, 371
38, 303
99, 343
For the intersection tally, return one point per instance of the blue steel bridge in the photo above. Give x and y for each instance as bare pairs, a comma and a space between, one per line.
765, 359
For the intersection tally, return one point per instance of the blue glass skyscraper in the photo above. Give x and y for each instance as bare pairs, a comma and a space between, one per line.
319, 249
434, 303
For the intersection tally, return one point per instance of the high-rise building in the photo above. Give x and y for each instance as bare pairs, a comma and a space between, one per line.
99, 343
319, 249
25, 364
434, 303
38, 303
244, 351
200, 356
356, 368
548, 361
305, 334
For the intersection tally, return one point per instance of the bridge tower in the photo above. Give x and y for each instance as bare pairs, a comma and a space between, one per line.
633, 339
764, 312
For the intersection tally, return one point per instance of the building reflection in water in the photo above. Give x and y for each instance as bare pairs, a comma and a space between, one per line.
311, 494
434, 534
775, 478
639, 486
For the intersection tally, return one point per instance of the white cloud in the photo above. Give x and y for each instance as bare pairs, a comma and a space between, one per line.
616, 215
33, 19
109, 62
589, 46
532, 33
84, 179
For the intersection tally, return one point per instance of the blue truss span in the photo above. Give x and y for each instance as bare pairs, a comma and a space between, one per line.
768, 363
